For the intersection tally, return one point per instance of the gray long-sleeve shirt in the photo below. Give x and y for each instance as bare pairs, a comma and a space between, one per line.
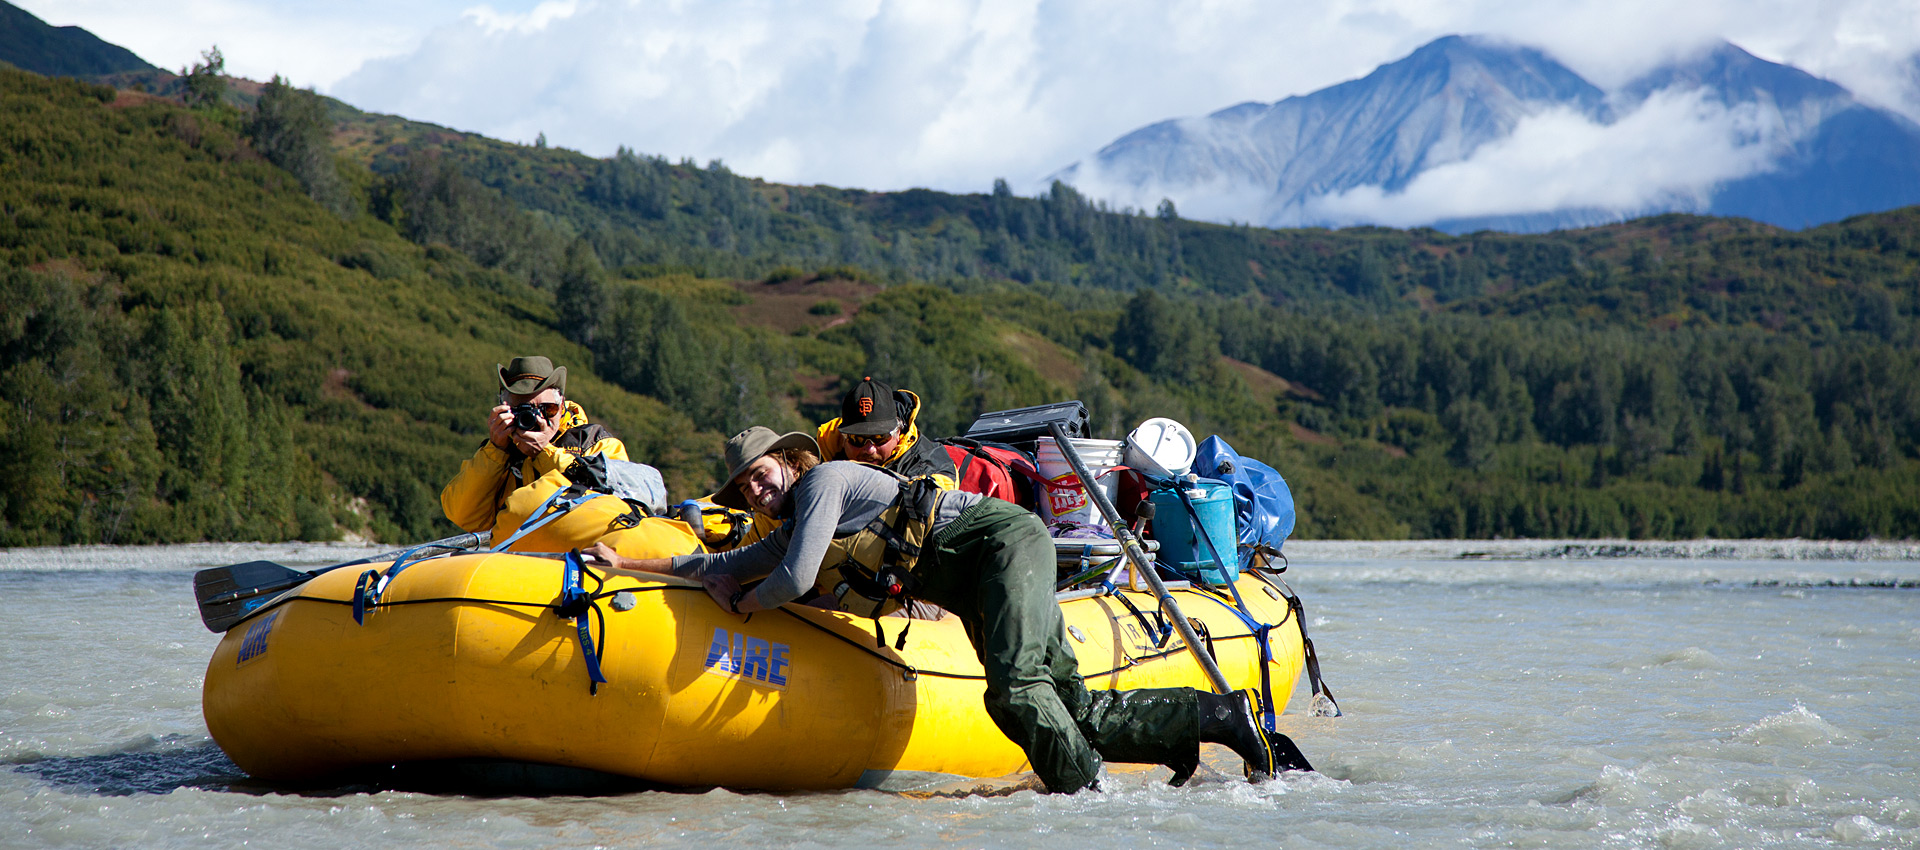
831, 500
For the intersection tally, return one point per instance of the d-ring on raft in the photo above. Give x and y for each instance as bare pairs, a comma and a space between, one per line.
469, 657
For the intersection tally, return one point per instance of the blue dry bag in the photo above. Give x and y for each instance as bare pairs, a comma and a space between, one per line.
1262, 504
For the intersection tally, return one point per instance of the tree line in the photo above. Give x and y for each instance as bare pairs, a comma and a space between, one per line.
225, 324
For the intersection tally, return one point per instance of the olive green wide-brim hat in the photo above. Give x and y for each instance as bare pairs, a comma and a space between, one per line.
750, 445
531, 374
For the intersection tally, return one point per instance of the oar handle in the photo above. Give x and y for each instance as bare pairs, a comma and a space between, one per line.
1131, 546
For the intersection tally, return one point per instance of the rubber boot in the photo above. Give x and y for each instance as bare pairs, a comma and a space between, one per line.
1233, 720
1183, 769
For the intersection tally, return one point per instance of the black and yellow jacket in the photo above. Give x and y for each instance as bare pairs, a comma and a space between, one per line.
476, 497
914, 457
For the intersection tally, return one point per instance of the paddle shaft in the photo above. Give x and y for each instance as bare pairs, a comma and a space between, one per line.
1131, 546
469, 540
460, 541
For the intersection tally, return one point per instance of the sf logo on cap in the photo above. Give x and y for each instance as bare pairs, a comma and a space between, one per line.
866, 406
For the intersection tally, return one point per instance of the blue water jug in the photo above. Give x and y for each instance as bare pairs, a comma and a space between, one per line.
1179, 534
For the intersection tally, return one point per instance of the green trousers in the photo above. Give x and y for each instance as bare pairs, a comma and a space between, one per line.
993, 567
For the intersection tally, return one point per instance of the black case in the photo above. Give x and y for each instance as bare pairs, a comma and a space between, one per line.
1024, 425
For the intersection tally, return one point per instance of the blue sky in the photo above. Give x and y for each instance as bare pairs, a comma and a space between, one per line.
888, 94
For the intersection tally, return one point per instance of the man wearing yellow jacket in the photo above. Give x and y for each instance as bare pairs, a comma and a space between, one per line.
524, 462
879, 425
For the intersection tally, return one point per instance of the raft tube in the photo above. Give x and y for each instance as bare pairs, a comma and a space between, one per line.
466, 658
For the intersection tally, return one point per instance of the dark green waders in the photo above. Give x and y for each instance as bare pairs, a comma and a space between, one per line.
993, 567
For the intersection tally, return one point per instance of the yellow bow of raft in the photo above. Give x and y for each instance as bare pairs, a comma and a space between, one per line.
466, 657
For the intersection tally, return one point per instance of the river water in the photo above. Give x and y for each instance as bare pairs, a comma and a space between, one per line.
1517, 694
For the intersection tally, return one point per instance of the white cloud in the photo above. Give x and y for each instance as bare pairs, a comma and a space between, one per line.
312, 44
493, 20
888, 94
1667, 154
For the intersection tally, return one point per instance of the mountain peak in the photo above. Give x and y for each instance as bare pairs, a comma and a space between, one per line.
1483, 65
1536, 146
1435, 106
1731, 76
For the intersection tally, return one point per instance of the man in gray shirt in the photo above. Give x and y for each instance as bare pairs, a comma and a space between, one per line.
992, 564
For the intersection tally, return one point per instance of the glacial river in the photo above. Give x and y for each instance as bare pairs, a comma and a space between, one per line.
1517, 694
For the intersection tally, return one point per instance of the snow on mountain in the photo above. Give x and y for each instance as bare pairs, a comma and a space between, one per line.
1469, 133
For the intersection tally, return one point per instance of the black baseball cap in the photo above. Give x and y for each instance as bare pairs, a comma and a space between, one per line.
869, 409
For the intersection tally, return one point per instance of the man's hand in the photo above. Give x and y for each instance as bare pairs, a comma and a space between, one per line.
500, 427
604, 555
532, 443
723, 587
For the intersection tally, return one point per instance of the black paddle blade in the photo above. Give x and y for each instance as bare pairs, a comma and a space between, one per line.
226, 595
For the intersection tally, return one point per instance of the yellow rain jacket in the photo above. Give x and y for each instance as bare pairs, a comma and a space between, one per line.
493, 492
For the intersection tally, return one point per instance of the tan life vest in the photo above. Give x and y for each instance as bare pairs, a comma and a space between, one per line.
870, 572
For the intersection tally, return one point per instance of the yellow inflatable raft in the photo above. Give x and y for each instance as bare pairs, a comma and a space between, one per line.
466, 657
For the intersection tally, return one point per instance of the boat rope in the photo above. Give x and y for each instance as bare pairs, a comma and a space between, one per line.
372, 583
909, 671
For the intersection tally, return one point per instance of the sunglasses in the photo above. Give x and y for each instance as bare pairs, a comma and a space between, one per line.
861, 441
548, 409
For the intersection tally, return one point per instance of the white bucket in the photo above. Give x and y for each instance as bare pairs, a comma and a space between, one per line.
1065, 499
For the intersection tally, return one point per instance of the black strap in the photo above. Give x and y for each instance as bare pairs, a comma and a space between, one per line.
1206, 637
634, 514
1158, 635
736, 527
1314, 682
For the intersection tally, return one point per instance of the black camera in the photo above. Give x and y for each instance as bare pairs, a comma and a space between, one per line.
526, 417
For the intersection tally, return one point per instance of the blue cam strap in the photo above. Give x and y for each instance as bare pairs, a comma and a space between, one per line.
575, 602
1261, 631
367, 591
562, 501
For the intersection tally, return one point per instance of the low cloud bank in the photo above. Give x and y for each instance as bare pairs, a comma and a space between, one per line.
1666, 155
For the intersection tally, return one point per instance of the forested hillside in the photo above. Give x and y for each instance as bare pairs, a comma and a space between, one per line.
227, 322
194, 349
1673, 376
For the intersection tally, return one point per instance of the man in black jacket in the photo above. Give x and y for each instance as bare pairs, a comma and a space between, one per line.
878, 425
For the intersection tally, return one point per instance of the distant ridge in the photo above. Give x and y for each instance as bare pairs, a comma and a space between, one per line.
1817, 154
30, 44
1848, 158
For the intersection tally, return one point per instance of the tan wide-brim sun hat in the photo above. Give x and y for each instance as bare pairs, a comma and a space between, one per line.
527, 376
750, 445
